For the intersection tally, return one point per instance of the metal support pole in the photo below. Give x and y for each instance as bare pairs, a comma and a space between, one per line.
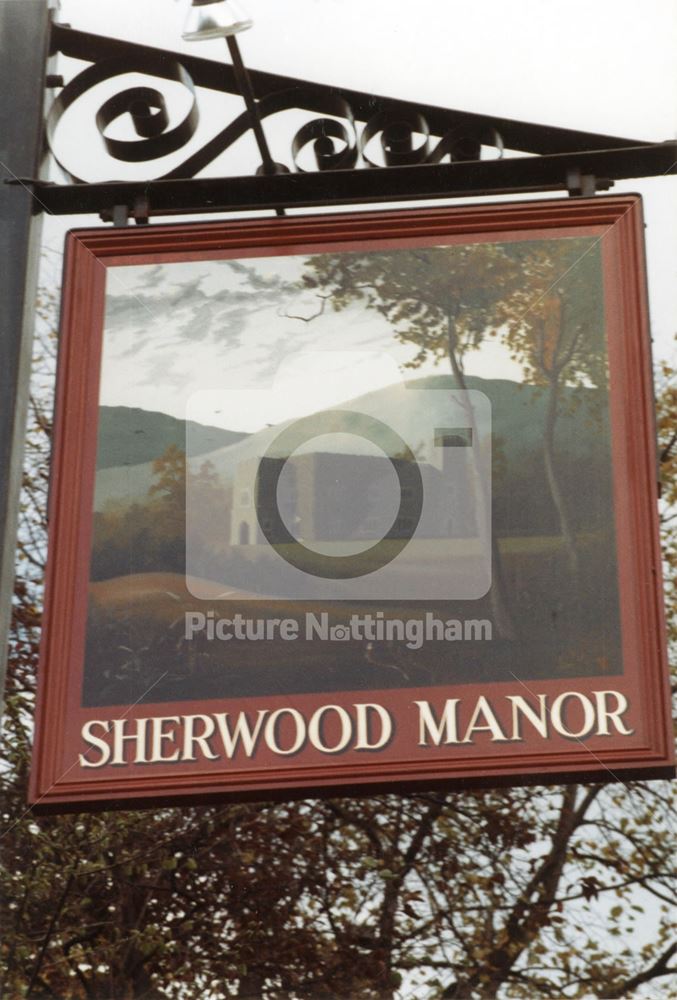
24, 50
245, 86
244, 83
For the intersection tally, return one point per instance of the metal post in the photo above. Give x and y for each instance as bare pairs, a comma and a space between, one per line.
245, 85
24, 50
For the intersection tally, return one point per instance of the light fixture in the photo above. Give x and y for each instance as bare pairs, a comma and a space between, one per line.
225, 19
214, 19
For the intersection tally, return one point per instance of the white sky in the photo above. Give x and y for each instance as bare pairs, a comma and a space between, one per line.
607, 66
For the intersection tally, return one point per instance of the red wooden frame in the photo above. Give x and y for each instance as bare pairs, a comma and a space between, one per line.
58, 781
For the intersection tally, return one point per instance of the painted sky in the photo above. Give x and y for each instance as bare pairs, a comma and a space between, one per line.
175, 331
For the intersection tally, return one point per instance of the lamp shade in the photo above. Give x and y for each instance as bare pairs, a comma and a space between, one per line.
214, 19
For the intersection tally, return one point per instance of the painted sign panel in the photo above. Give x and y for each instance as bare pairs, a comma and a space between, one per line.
357, 501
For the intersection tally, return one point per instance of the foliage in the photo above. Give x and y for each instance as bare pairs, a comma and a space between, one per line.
667, 436
150, 535
543, 297
541, 892
438, 299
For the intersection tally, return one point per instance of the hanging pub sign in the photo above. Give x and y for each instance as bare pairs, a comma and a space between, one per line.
353, 502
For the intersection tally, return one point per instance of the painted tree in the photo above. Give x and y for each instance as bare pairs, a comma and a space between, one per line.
542, 299
554, 326
443, 301
149, 535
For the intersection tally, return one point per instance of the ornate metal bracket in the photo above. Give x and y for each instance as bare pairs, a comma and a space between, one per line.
425, 151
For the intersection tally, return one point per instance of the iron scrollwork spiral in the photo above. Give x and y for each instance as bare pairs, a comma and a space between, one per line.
403, 135
396, 130
334, 143
146, 106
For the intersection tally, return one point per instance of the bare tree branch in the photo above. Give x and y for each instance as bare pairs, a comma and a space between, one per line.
659, 968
